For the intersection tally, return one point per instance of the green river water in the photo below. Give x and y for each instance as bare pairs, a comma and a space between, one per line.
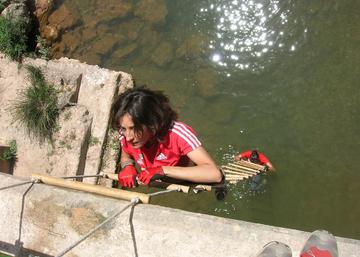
279, 76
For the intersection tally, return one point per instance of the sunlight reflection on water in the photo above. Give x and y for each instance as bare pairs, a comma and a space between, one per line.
244, 33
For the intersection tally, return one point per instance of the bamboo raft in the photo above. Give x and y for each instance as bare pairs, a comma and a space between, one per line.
240, 170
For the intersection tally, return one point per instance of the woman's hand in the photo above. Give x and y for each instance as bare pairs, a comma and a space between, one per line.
127, 176
151, 174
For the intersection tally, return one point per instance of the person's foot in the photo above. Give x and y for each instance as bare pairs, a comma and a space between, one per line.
320, 244
275, 249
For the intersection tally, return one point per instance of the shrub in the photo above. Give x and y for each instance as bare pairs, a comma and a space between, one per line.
3, 4
13, 38
10, 154
37, 109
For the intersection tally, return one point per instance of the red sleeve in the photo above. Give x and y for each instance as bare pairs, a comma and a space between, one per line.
246, 154
185, 137
263, 158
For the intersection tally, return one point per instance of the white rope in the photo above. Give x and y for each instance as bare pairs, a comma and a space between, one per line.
165, 191
134, 201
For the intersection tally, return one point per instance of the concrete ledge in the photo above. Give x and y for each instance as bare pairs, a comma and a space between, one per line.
54, 218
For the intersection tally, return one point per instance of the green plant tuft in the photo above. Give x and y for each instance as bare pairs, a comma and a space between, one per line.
93, 141
37, 108
10, 154
42, 49
13, 38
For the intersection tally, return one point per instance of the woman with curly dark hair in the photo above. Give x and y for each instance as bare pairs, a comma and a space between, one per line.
151, 136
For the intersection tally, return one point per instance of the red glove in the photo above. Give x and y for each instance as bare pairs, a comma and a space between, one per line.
151, 174
127, 176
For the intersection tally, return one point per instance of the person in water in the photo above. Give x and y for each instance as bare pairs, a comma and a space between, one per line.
152, 137
255, 157
258, 181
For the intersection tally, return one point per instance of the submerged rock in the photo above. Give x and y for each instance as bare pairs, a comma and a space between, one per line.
206, 80
50, 33
163, 54
104, 44
62, 18
153, 11
193, 47
122, 52
68, 44
108, 9
90, 58
130, 30
150, 37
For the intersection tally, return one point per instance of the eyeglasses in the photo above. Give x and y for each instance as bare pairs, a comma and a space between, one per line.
129, 132
125, 132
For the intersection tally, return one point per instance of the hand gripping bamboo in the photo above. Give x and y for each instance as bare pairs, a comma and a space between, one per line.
111, 192
163, 185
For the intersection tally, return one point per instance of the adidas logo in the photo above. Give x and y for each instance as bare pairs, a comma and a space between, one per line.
161, 157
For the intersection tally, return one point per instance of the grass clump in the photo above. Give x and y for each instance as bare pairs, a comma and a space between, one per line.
37, 109
13, 37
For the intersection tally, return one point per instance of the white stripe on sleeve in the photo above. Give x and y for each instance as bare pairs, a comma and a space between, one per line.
187, 135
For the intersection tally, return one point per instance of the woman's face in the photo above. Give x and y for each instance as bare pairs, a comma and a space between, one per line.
134, 138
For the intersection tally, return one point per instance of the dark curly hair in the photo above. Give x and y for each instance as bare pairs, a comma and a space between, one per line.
146, 107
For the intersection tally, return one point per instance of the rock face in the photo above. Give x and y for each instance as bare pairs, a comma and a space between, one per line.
86, 98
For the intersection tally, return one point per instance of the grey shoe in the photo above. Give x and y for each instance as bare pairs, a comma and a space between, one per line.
320, 244
275, 249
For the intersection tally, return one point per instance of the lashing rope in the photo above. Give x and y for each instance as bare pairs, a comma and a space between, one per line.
84, 176
15, 185
165, 191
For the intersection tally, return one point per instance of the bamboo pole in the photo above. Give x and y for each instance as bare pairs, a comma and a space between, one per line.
251, 165
240, 170
232, 180
237, 175
243, 167
111, 192
164, 185
232, 177
237, 172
